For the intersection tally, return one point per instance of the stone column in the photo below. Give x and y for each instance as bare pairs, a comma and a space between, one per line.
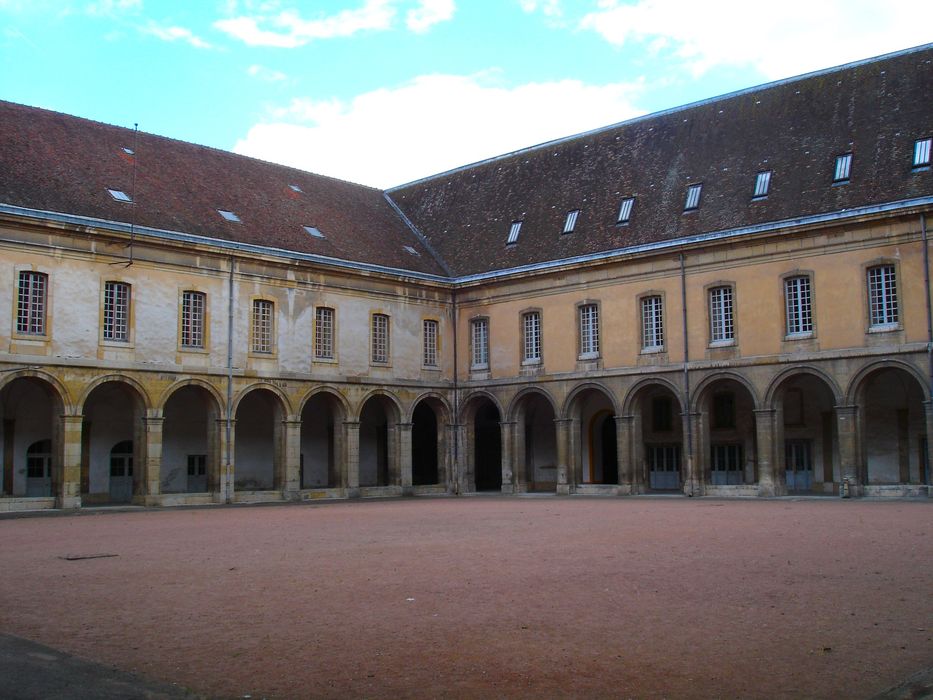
627, 480
506, 430
69, 493
223, 487
562, 426
926, 477
152, 469
456, 456
847, 431
404, 441
768, 483
291, 483
694, 478
352, 429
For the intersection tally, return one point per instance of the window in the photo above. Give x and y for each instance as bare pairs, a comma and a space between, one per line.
531, 337
192, 319
117, 311
513, 232
479, 343
625, 210
721, 326
589, 331
693, 197
843, 167
882, 296
263, 314
922, 153
762, 184
652, 323
197, 465
799, 306
120, 196
30, 303
380, 338
324, 333
429, 356
411, 251
571, 221
229, 215
314, 231
295, 188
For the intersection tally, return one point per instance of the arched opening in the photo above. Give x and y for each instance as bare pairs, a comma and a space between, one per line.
727, 456
807, 441
30, 438
322, 464
190, 442
595, 457
427, 444
536, 444
487, 446
259, 460
893, 429
113, 418
658, 439
378, 459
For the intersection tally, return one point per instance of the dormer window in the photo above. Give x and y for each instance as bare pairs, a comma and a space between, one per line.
411, 251
762, 184
129, 151
843, 168
625, 210
571, 221
229, 216
314, 231
120, 196
513, 232
294, 188
922, 153
693, 197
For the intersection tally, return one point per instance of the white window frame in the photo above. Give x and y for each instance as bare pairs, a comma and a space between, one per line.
798, 306
692, 201
652, 323
193, 309
479, 344
570, 223
262, 340
883, 308
625, 210
922, 153
379, 339
722, 315
588, 316
429, 342
843, 169
116, 311
762, 184
514, 231
324, 325
531, 338
31, 303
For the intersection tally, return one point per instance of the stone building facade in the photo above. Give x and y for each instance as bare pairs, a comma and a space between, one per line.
728, 298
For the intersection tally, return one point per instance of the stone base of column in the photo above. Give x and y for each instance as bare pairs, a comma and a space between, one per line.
627, 490
408, 490
353, 493
508, 488
148, 501
68, 502
563, 489
291, 494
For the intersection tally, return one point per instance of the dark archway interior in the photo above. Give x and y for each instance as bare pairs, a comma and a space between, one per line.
610, 457
488, 448
424, 445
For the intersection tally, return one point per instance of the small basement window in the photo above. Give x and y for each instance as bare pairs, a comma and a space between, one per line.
693, 197
513, 232
229, 215
625, 210
571, 221
314, 231
762, 184
922, 153
120, 195
411, 251
843, 168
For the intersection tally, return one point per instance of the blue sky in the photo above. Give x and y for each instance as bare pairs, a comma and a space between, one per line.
385, 91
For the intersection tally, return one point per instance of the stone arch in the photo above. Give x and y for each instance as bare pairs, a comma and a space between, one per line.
711, 379
120, 379
781, 378
481, 416
435, 396
260, 411
532, 415
429, 418
590, 410
64, 396
390, 398
583, 387
191, 381
379, 415
515, 404
857, 383
322, 457
468, 403
192, 410
632, 393
654, 409
286, 404
332, 392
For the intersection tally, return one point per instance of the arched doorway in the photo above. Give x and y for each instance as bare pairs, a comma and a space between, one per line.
428, 443
726, 456
657, 431
536, 443
595, 455
484, 444
378, 444
113, 444
190, 442
259, 454
807, 442
30, 410
322, 463
39, 469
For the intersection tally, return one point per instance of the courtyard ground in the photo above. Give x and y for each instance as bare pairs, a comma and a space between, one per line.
487, 597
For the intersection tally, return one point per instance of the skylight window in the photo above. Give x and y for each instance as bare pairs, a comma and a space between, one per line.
922, 153
843, 168
571, 221
120, 196
411, 251
762, 184
295, 188
693, 197
513, 232
229, 215
625, 210
314, 231
129, 151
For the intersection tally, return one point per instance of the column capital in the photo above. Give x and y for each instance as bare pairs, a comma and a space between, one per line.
404, 426
630, 418
351, 423
152, 421
563, 421
764, 411
846, 410
507, 423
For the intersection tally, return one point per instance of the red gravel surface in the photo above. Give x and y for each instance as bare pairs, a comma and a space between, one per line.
481, 597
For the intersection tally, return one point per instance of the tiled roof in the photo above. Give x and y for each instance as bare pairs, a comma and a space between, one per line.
59, 163
874, 109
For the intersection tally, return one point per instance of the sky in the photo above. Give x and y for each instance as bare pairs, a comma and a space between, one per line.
383, 92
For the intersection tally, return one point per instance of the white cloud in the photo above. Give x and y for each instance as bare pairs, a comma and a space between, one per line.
175, 34
431, 124
549, 8
782, 39
267, 74
109, 7
429, 13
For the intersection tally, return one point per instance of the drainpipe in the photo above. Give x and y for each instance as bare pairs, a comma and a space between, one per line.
926, 282
688, 446
228, 474
456, 408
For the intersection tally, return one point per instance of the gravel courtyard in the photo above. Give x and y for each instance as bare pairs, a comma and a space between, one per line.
487, 597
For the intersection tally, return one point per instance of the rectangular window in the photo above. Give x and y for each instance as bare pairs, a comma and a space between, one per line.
721, 327
762, 184
922, 153
380, 339
571, 221
263, 314
843, 168
514, 231
30, 304
192, 319
798, 305
589, 331
531, 334
324, 333
197, 465
652, 323
479, 343
693, 197
117, 311
882, 296
625, 210
430, 343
